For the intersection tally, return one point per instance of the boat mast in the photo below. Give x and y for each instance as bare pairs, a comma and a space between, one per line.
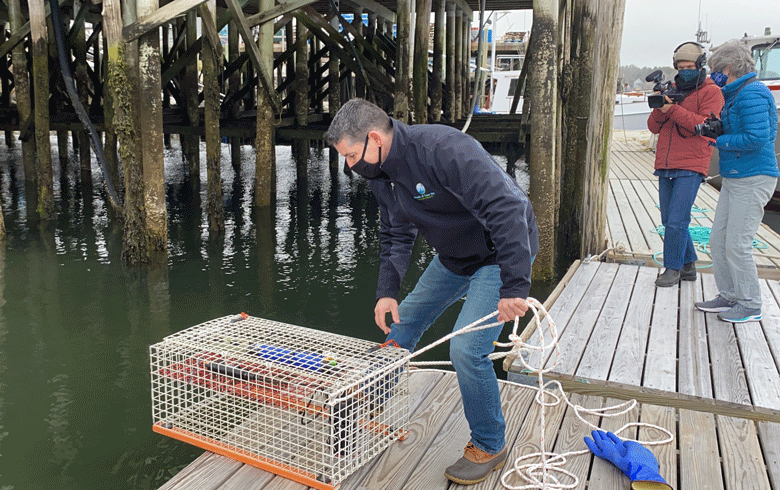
701, 36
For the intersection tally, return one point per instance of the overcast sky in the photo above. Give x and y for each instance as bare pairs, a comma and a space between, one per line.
653, 28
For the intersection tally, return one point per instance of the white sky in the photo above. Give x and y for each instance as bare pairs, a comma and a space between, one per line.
653, 28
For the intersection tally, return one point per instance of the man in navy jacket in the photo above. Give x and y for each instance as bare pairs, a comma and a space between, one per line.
441, 182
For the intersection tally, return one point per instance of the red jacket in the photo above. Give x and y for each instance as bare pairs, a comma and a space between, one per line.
678, 147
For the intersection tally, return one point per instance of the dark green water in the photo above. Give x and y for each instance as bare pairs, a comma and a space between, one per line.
76, 323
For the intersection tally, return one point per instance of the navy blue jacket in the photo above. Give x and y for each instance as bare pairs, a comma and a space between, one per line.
443, 183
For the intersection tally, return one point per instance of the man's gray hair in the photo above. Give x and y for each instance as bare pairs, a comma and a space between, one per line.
354, 120
734, 54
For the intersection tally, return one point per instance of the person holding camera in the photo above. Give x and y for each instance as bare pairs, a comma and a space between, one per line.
682, 157
745, 138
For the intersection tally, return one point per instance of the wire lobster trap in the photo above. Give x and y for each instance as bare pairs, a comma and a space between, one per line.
308, 405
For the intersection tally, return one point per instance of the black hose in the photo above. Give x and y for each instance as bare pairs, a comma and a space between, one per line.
97, 145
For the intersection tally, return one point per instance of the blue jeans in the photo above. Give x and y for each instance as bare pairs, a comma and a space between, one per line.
437, 289
676, 195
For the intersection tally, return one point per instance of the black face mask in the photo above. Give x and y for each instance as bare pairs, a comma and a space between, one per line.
365, 169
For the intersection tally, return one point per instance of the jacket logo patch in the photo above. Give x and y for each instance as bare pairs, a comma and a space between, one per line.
421, 194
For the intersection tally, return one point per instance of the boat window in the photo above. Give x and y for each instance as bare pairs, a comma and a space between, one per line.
512, 87
767, 61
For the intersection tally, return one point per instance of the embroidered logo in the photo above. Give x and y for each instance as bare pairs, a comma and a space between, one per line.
421, 192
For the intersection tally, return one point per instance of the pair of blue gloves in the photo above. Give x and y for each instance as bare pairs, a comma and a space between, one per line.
632, 458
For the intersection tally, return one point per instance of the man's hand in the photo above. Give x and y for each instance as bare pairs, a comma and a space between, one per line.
382, 308
509, 308
669, 104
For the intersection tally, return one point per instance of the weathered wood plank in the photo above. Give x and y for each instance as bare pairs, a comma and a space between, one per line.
694, 362
666, 454
248, 478
208, 473
280, 9
769, 434
699, 455
578, 330
629, 357
604, 475
728, 372
564, 306
636, 239
661, 361
600, 348
617, 232
743, 463
164, 14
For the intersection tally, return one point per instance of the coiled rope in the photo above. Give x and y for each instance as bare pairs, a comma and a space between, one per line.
547, 474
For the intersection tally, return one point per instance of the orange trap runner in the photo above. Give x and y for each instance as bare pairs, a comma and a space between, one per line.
307, 405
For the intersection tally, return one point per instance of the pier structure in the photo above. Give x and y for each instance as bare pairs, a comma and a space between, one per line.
118, 78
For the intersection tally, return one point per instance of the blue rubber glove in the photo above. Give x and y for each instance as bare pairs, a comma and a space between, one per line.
633, 459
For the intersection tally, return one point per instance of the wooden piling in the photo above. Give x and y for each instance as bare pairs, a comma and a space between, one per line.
543, 80
40, 56
82, 86
422, 28
403, 52
191, 142
152, 131
22, 90
5, 87
465, 71
265, 156
212, 69
301, 100
438, 60
459, 54
334, 101
449, 93
234, 85
357, 23
134, 243
596, 30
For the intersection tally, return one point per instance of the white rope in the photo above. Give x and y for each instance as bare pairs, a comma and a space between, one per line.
547, 474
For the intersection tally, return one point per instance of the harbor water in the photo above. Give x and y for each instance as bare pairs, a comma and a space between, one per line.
76, 322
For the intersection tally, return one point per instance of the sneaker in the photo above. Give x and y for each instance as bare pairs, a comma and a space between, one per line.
740, 314
668, 278
688, 272
715, 305
475, 465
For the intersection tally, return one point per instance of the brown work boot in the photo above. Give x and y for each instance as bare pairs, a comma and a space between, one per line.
475, 465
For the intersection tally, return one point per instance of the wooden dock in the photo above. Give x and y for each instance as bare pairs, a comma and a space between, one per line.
714, 385
633, 215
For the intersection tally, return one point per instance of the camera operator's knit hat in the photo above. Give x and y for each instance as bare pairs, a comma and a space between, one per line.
689, 51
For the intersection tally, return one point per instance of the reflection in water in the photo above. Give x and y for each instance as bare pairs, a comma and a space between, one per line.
76, 323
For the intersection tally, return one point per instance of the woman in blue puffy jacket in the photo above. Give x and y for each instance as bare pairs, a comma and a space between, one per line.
748, 167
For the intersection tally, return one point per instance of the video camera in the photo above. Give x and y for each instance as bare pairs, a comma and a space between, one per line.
666, 88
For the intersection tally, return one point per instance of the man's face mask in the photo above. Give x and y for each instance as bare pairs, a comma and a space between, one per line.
719, 78
365, 169
688, 75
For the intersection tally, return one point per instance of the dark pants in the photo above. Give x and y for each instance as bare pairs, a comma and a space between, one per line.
677, 195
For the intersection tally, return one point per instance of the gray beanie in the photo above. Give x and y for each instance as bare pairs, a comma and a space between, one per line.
689, 51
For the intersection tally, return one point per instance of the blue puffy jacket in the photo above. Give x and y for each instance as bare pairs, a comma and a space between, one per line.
750, 121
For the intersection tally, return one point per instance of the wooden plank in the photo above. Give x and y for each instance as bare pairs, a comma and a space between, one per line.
374, 7
694, 362
249, 478
666, 454
728, 373
615, 224
17, 37
396, 464
164, 14
528, 437
699, 454
571, 434
769, 434
597, 358
636, 239
564, 307
643, 218
743, 463
604, 475
661, 362
208, 473
629, 358
278, 10
760, 368
770, 312
572, 341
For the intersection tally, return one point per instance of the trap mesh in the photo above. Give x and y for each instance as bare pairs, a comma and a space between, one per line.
308, 405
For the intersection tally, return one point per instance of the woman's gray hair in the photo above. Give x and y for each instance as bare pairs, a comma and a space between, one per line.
354, 120
734, 54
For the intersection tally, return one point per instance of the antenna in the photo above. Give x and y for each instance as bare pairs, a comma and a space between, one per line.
701, 36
